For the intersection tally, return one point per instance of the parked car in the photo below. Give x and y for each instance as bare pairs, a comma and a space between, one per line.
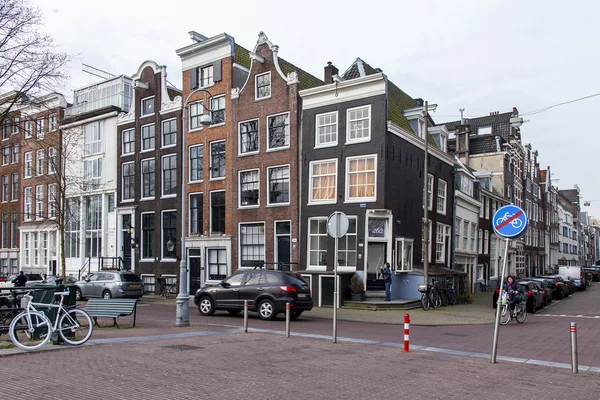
32, 279
563, 289
107, 284
266, 291
579, 285
535, 297
544, 287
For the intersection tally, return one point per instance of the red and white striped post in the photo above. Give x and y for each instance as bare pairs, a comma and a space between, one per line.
574, 361
406, 328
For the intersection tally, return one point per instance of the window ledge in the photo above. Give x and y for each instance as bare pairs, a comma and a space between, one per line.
254, 206
262, 98
127, 201
147, 150
147, 198
195, 129
168, 196
326, 146
250, 153
217, 125
218, 179
278, 149
170, 146
319, 203
168, 260
278, 205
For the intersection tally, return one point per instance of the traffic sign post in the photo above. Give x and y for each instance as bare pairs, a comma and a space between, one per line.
509, 222
337, 227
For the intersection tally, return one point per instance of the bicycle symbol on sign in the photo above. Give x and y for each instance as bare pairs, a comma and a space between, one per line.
516, 223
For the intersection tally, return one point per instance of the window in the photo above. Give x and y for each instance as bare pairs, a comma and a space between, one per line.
361, 179
217, 212
6, 155
169, 235
169, 175
404, 254
252, 244
92, 173
347, 246
248, 136
323, 181
317, 242
196, 163
6, 129
148, 178
36, 250
473, 233
44, 248
326, 129
509, 193
147, 137
39, 166
148, 235
441, 197
206, 76
4, 188
440, 243
28, 164
39, 124
488, 204
196, 214
279, 185
14, 230
217, 160
457, 226
17, 125
149, 282
359, 124
217, 266
110, 202
147, 106
218, 110
51, 160
263, 86
249, 188
128, 181
15, 153
52, 123
92, 138
27, 204
28, 130
480, 242
15, 187
278, 131
429, 192
4, 230
169, 133
26, 247
465, 235
196, 111
128, 145
52, 200
72, 230
39, 202
93, 226
484, 130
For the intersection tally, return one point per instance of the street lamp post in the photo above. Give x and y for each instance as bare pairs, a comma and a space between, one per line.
182, 317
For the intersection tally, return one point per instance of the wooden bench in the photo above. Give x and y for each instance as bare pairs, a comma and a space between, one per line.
111, 308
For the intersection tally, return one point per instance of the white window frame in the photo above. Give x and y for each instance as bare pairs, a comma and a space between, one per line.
473, 234
430, 184
254, 170
210, 78
287, 132
52, 201
401, 254
162, 239
268, 178
349, 236
319, 250
213, 107
16, 126
162, 134
123, 191
6, 150
245, 153
40, 156
264, 243
349, 122
440, 240
28, 129
14, 194
39, 129
349, 199
51, 160
332, 200
218, 178
143, 150
441, 200
201, 146
457, 233
199, 106
256, 96
15, 153
162, 175
143, 112
318, 134
28, 159
52, 118
39, 202
152, 258
27, 204
132, 143
142, 197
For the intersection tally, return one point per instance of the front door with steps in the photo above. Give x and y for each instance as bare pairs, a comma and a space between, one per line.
377, 252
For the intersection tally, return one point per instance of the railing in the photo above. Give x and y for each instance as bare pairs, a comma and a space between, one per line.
87, 265
104, 263
280, 266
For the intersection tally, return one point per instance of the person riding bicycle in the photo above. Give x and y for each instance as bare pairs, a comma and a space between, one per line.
512, 289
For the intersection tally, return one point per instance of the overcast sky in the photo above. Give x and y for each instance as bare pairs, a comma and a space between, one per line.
483, 56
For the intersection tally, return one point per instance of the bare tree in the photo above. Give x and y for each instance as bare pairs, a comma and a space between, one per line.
29, 62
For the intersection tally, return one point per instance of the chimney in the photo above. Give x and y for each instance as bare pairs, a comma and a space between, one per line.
330, 71
515, 111
419, 101
196, 37
462, 143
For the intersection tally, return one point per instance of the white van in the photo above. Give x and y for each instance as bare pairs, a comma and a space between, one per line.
571, 272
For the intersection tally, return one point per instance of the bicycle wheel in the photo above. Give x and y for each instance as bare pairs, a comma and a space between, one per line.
522, 313
504, 314
75, 327
425, 301
437, 299
30, 331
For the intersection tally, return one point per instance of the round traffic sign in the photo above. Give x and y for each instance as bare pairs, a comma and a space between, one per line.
510, 222
337, 224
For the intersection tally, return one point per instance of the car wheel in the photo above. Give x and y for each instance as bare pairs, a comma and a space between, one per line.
78, 295
206, 306
106, 294
295, 314
234, 312
533, 307
266, 310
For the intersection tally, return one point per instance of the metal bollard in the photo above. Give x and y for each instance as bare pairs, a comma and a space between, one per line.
287, 319
574, 362
406, 328
246, 316
335, 317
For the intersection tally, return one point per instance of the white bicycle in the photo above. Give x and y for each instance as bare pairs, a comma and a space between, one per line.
32, 329
516, 223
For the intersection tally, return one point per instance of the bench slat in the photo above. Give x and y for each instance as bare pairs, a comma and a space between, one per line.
111, 308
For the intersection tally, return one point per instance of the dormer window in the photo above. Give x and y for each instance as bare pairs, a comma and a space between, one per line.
484, 130
148, 106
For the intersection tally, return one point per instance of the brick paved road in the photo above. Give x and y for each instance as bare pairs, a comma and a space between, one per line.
264, 366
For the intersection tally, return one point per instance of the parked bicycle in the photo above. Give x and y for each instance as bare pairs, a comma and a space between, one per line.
32, 329
519, 313
429, 296
168, 289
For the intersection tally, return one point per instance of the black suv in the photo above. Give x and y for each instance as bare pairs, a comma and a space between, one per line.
267, 292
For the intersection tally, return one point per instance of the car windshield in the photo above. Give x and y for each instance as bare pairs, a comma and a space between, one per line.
130, 278
34, 277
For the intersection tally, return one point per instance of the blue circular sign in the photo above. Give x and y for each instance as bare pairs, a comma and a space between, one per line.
510, 222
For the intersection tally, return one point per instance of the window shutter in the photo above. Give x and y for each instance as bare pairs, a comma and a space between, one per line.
193, 78
217, 71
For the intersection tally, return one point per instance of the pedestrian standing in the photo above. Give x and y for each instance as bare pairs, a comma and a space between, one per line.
20, 280
386, 273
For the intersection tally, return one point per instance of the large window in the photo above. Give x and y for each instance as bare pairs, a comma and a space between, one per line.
148, 137
361, 178
206, 76
14, 230
169, 175
327, 129
28, 164
404, 254
39, 123
278, 131
169, 133
28, 129
317, 242
441, 198
169, 233
218, 110
52, 123
92, 138
323, 181
248, 136
39, 166
27, 204
358, 124
17, 125
457, 226
196, 163
128, 181
4, 188
465, 233
51, 160
217, 212
93, 226
15, 153
4, 230
128, 145
347, 246
217, 264
148, 235
249, 188
196, 111
439, 243
473, 238
6, 155
148, 178
279, 185
52, 200
263, 86
429, 192
26, 248
39, 202
252, 244
217, 160
6, 129
92, 172
72, 233
15, 187
196, 214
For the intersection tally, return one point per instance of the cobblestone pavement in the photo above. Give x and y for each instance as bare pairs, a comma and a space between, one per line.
266, 366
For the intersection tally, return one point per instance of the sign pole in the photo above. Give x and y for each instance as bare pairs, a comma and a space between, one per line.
335, 293
499, 302
337, 227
